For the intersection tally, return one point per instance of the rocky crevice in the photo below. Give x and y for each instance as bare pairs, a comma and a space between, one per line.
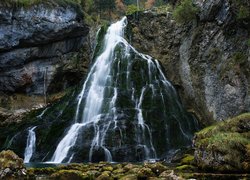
207, 60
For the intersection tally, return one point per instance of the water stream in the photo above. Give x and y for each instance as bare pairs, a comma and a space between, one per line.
30, 145
121, 74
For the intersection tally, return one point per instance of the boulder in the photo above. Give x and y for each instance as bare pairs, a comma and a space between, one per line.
224, 147
11, 166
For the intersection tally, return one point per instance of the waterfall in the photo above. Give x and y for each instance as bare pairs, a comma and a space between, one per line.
30, 145
123, 101
98, 77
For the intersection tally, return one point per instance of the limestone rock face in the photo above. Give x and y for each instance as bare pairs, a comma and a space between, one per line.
213, 10
39, 44
207, 60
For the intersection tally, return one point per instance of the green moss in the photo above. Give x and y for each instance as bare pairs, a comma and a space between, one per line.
131, 9
188, 159
164, 9
185, 12
243, 13
8, 159
227, 142
69, 174
248, 42
229, 125
185, 167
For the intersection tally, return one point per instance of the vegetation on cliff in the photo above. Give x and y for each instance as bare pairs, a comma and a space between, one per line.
185, 11
225, 146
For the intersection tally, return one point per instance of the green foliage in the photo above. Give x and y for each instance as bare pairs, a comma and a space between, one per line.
248, 42
241, 9
131, 9
164, 9
185, 11
243, 13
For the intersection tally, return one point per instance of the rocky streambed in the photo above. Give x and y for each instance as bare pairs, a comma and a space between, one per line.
12, 167
220, 151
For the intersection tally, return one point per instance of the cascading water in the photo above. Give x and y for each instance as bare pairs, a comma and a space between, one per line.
126, 110
30, 145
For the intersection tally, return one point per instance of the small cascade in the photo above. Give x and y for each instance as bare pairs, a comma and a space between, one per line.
149, 149
30, 145
95, 81
126, 111
42, 113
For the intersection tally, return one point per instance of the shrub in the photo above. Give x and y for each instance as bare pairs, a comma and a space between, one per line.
131, 9
185, 11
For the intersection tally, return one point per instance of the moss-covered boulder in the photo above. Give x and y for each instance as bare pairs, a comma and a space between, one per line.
11, 166
69, 174
225, 146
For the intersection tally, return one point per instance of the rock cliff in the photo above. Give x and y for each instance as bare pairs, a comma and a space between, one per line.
207, 60
39, 48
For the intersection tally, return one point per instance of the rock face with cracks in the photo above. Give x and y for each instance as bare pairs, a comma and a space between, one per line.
39, 47
207, 60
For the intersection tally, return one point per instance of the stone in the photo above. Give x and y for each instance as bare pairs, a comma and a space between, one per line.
107, 168
44, 50
169, 175
224, 147
11, 165
201, 63
129, 177
104, 176
145, 172
156, 168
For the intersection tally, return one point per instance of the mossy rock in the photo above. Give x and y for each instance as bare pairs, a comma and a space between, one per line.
145, 173
69, 174
185, 167
129, 177
156, 168
119, 171
108, 168
8, 159
106, 175
224, 146
93, 174
188, 159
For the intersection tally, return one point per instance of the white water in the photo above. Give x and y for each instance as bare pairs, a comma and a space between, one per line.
30, 145
91, 100
95, 81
